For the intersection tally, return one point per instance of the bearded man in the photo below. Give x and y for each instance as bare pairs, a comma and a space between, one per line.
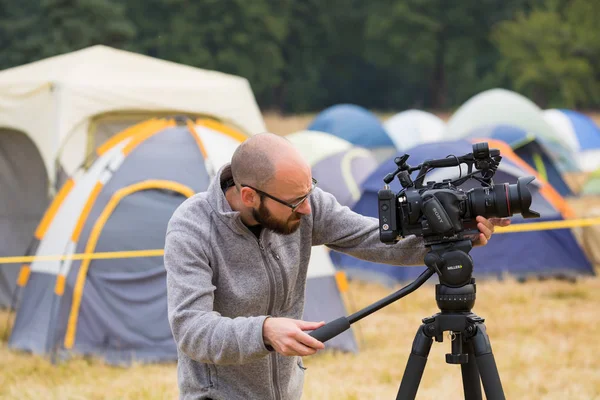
237, 257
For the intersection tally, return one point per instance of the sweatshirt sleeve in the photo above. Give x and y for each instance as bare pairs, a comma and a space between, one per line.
200, 332
343, 230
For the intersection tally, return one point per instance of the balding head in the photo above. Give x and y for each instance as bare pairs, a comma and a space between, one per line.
258, 160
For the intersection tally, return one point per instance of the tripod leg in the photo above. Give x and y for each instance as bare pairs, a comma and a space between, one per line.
487, 365
470, 376
415, 366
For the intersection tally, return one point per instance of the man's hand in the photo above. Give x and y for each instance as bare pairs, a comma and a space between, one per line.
486, 227
287, 336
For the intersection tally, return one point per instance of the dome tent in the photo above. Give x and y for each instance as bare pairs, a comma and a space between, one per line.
56, 111
413, 127
531, 149
117, 308
522, 254
339, 167
581, 133
357, 125
504, 107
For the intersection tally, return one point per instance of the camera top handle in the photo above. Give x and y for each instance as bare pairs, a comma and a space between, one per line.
483, 158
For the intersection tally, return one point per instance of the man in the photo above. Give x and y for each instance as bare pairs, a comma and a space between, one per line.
236, 259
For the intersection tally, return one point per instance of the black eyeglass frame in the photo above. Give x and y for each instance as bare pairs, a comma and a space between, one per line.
285, 203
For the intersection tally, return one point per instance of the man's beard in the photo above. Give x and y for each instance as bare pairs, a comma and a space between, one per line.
268, 221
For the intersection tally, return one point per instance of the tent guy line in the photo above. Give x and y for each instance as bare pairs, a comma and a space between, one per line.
534, 226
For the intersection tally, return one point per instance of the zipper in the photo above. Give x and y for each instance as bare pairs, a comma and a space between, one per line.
283, 278
275, 378
271, 278
270, 312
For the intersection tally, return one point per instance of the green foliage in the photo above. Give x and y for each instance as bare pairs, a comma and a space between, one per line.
18, 28
235, 36
305, 55
439, 49
550, 55
34, 30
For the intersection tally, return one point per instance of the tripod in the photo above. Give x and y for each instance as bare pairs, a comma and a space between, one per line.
455, 297
471, 349
471, 346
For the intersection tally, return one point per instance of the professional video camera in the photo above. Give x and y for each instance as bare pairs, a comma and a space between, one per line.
440, 211
444, 215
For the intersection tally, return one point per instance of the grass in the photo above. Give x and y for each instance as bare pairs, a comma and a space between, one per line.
544, 336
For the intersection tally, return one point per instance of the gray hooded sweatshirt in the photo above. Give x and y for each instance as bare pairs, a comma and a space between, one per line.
223, 282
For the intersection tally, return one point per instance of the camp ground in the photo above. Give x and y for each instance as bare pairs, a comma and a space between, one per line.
117, 308
113, 114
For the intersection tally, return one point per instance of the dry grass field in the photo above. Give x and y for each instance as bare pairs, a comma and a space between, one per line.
545, 337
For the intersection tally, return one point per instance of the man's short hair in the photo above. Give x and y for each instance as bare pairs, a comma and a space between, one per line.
252, 164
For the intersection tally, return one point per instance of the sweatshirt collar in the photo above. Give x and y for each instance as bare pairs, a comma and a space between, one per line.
217, 200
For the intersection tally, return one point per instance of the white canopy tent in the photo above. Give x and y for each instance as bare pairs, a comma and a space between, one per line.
316, 146
62, 101
501, 107
413, 127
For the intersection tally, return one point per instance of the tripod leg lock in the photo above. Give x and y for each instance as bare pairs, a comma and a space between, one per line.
422, 343
481, 341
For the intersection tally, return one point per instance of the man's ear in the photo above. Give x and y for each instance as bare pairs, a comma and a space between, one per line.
248, 196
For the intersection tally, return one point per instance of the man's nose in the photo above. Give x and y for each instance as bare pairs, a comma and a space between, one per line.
304, 208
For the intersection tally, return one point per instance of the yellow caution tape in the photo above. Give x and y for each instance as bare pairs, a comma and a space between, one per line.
548, 225
534, 226
84, 256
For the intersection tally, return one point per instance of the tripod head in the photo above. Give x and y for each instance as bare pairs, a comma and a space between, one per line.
454, 266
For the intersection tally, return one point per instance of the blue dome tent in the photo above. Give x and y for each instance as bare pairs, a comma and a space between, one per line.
358, 126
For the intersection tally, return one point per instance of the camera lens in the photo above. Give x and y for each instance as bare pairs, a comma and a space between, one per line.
489, 201
519, 198
502, 200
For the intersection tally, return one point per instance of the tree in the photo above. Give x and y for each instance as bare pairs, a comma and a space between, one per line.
325, 50
549, 54
305, 50
235, 36
18, 25
439, 49
36, 30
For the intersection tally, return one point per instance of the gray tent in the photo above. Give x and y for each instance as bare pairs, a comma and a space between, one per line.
23, 199
117, 308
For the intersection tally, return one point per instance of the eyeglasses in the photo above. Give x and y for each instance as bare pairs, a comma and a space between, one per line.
285, 203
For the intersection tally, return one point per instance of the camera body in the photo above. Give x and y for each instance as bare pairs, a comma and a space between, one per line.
441, 212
